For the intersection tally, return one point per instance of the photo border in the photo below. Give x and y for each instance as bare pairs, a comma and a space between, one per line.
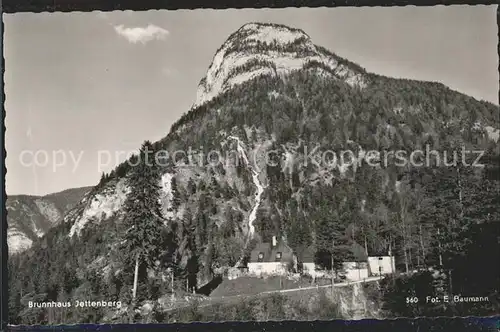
36, 6
397, 324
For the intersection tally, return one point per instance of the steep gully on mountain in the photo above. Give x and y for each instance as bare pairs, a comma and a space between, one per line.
352, 307
260, 190
210, 286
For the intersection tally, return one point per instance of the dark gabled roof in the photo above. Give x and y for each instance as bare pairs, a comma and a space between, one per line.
358, 253
270, 253
306, 255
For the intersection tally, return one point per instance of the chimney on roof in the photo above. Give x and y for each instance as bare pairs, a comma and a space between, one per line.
274, 241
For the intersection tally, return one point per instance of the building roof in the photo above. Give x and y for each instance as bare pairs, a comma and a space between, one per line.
269, 254
379, 256
306, 255
358, 253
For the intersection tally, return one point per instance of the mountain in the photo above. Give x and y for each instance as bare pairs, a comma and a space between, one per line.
273, 50
30, 217
254, 158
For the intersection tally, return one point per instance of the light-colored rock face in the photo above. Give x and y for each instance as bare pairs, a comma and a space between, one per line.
166, 195
101, 206
491, 132
17, 241
263, 49
110, 200
30, 217
48, 210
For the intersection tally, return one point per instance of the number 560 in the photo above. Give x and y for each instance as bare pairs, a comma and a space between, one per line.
412, 300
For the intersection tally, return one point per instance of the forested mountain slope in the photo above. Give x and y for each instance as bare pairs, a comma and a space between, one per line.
30, 217
270, 90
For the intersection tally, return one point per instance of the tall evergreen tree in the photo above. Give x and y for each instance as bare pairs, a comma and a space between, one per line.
143, 216
331, 240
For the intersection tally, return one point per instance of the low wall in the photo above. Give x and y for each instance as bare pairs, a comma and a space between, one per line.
270, 268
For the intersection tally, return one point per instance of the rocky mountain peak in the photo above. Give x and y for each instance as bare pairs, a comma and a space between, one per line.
258, 49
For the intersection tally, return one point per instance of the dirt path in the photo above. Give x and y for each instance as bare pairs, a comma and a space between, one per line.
228, 299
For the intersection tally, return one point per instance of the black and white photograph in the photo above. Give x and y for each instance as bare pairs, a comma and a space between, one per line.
214, 165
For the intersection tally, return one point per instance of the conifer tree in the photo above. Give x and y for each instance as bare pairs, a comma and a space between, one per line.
143, 216
331, 241
176, 199
191, 186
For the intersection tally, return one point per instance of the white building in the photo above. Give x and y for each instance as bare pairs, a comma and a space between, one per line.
356, 268
270, 259
355, 271
380, 265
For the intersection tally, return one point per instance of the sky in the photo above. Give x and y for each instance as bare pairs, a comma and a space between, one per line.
79, 83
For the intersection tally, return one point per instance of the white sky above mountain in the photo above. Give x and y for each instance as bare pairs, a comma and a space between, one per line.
84, 82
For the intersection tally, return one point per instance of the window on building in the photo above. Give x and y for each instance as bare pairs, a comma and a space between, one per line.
261, 256
278, 256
